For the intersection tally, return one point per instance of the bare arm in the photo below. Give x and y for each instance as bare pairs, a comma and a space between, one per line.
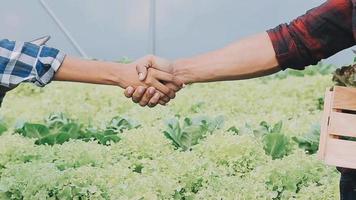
248, 58
88, 71
111, 73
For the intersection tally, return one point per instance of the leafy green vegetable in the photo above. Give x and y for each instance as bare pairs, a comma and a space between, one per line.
320, 104
277, 145
310, 141
197, 107
60, 129
319, 69
57, 120
119, 124
345, 76
265, 128
234, 130
3, 127
33, 130
125, 60
188, 133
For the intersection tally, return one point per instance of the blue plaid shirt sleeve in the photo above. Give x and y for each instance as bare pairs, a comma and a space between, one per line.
27, 62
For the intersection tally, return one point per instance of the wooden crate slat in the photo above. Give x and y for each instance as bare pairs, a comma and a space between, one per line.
335, 123
324, 124
341, 153
342, 124
344, 98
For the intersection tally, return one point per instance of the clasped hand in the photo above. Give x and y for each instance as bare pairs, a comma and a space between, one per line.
159, 85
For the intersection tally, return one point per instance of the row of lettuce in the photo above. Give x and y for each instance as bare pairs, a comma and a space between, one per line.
202, 159
183, 133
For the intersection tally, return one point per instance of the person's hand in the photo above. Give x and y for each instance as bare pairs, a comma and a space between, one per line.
155, 72
150, 61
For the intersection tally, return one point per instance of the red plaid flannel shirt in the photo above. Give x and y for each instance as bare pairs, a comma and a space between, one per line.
320, 33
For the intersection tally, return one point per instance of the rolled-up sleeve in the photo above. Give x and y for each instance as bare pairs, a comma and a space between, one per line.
27, 62
320, 33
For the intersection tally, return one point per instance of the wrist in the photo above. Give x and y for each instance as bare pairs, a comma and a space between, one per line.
115, 74
183, 70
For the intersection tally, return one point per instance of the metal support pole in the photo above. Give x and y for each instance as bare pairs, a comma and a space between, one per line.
152, 27
63, 29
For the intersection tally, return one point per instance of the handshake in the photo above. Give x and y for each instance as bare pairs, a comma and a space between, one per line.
152, 80
157, 81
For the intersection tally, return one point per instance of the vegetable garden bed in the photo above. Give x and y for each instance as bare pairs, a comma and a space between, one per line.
251, 139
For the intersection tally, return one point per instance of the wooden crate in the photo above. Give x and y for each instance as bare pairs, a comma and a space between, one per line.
338, 128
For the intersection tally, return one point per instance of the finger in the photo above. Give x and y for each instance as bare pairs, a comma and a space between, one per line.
162, 97
147, 96
137, 95
129, 91
179, 83
142, 71
154, 100
172, 86
167, 77
163, 100
162, 103
162, 88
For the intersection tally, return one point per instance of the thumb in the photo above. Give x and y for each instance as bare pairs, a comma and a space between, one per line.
142, 71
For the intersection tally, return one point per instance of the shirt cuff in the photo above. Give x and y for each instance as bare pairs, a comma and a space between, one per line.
287, 48
27, 62
48, 63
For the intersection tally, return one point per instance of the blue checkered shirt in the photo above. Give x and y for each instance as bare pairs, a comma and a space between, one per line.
26, 62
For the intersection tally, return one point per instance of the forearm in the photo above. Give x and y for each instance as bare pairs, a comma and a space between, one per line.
88, 71
248, 58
